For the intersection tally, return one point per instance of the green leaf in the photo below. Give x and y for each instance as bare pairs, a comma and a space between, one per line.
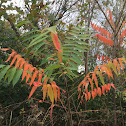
7, 74
30, 37
52, 29
28, 33
39, 45
39, 37
1, 65
11, 74
78, 53
3, 71
37, 41
52, 67
17, 76
23, 22
101, 77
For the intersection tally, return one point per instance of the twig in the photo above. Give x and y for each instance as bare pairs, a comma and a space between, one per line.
105, 16
87, 111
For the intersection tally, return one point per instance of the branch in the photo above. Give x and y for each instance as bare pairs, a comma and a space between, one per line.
121, 12
120, 25
13, 26
105, 16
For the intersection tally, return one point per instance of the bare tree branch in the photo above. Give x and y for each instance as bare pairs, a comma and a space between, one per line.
121, 12
105, 16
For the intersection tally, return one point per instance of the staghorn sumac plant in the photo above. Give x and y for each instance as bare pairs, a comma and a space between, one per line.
60, 57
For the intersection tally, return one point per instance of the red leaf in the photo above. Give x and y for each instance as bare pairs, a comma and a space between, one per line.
99, 57
102, 58
106, 59
35, 83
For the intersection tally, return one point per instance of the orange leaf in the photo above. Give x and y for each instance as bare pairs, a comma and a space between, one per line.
33, 77
5, 49
113, 86
89, 95
18, 62
32, 91
95, 79
45, 81
11, 55
85, 96
120, 62
56, 42
80, 84
21, 65
93, 94
103, 90
82, 99
15, 57
106, 88
124, 24
51, 59
91, 83
25, 71
51, 111
99, 91
54, 90
40, 77
40, 101
58, 92
28, 75
44, 91
109, 87
116, 64
79, 90
59, 56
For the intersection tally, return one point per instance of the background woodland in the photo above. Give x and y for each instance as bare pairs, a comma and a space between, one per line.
62, 62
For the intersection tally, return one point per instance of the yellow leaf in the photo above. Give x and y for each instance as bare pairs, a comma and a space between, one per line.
50, 93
